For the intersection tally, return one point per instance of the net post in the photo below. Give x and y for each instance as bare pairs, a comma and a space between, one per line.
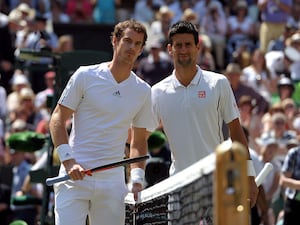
231, 206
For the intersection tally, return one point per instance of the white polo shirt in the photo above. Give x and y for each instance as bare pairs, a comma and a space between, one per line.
192, 116
103, 112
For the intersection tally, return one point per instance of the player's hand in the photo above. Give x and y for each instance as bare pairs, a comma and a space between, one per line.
74, 170
136, 189
253, 191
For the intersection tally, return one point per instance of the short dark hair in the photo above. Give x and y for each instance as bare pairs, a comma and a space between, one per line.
184, 27
131, 24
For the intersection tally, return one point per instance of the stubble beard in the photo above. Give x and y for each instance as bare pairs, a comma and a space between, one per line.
185, 62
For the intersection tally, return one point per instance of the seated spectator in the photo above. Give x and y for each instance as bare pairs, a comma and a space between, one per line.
250, 120
285, 89
214, 25
18, 82
41, 38
240, 31
58, 14
104, 11
41, 97
206, 59
80, 11
274, 16
294, 17
279, 44
266, 118
190, 16
27, 102
290, 110
156, 66
233, 73
144, 11
281, 133
159, 28
268, 148
202, 8
257, 76
65, 44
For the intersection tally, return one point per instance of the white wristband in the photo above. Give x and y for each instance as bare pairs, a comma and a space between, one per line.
251, 170
137, 175
64, 152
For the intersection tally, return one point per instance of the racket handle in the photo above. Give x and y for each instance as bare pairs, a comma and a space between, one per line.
53, 180
268, 167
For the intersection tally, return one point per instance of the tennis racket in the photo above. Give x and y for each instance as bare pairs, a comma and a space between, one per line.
53, 180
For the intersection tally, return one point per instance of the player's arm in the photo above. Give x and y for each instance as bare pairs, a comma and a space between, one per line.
138, 147
237, 134
59, 135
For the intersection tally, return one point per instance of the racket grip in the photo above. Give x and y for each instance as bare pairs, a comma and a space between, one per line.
263, 173
53, 180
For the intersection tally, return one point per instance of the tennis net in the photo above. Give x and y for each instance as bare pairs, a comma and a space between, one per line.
182, 199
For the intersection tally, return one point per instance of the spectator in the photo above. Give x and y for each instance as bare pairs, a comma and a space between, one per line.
124, 9
281, 133
250, 120
19, 144
294, 17
214, 26
285, 89
268, 149
240, 31
58, 14
18, 82
292, 52
80, 11
266, 119
290, 110
104, 11
274, 16
206, 59
44, 95
233, 73
144, 11
257, 76
27, 105
190, 16
40, 38
160, 26
65, 44
20, 170
202, 7
156, 66
10, 28
178, 7
279, 43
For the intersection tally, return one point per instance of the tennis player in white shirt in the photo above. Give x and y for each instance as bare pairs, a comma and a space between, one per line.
191, 104
104, 100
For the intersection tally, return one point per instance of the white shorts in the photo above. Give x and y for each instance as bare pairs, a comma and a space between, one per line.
100, 196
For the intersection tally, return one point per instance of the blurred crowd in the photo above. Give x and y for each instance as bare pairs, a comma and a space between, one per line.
255, 44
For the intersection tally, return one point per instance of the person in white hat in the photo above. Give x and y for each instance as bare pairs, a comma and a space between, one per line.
18, 82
